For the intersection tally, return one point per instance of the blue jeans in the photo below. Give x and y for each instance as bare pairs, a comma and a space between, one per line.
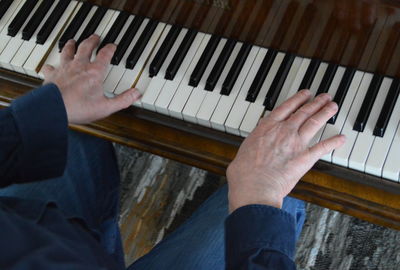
89, 190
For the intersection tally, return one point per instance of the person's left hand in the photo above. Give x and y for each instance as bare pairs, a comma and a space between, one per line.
81, 82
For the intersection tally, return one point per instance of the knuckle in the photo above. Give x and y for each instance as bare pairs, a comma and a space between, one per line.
304, 111
314, 121
325, 146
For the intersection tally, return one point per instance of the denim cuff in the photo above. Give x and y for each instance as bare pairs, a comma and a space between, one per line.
257, 228
41, 120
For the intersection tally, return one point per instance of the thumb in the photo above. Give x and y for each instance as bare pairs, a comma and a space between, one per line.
124, 100
47, 70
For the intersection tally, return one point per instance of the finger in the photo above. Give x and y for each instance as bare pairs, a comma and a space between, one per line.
123, 100
301, 115
317, 121
325, 147
86, 48
283, 111
47, 70
68, 52
105, 55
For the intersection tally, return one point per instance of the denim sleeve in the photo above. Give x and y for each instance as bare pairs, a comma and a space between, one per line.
33, 137
260, 237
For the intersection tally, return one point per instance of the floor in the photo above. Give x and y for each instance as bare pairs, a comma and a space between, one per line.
159, 194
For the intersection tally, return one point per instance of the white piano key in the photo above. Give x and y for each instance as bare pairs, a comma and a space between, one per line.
107, 21
283, 95
4, 37
139, 76
290, 79
391, 169
53, 58
365, 139
170, 87
294, 88
27, 46
381, 146
241, 105
198, 94
9, 14
211, 99
256, 109
341, 156
38, 55
332, 91
157, 82
117, 72
119, 37
110, 23
318, 78
226, 102
15, 43
184, 90
332, 130
85, 23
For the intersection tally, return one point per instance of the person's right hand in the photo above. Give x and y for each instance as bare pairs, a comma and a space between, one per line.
276, 154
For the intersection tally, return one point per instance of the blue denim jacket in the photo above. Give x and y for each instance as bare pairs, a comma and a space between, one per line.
36, 235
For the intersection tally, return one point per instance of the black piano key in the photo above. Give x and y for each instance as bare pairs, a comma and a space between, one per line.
36, 19
278, 82
387, 109
368, 102
141, 44
261, 75
126, 40
4, 6
204, 60
342, 91
235, 69
92, 25
114, 30
310, 74
75, 24
52, 21
21, 17
220, 65
164, 50
327, 79
180, 54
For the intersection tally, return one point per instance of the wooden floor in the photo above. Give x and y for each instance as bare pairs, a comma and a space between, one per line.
159, 194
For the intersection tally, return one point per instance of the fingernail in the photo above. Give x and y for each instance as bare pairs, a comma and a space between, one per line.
305, 91
333, 106
113, 46
325, 96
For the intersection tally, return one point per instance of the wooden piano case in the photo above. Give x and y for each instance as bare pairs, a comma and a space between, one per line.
323, 31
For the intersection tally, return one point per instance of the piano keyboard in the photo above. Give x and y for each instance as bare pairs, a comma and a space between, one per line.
211, 81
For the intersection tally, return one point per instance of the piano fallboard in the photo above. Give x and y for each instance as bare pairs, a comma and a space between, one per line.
354, 193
